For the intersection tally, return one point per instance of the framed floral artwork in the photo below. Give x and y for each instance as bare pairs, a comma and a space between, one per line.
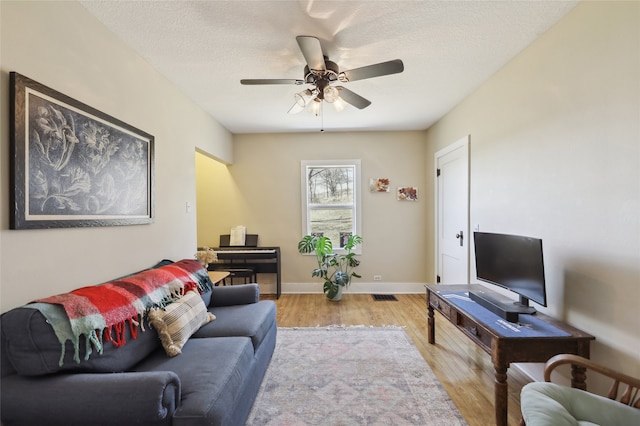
379, 185
407, 193
72, 165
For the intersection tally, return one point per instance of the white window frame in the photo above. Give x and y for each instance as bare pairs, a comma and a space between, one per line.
357, 206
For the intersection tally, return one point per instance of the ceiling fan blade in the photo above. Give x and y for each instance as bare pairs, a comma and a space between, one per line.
271, 81
353, 98
370, 71
312, 52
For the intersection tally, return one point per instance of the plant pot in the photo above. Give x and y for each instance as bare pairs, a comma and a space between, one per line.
338, 296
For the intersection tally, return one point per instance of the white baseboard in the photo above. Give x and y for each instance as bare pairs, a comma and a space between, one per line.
354, 288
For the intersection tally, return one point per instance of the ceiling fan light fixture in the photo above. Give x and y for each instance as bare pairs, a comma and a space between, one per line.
321, 73
339, 104
303, 98
330, 94
316, 107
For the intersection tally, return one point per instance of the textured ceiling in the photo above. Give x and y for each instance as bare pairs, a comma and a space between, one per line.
448, 48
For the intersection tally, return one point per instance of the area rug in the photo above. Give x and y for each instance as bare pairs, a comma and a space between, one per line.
350, 376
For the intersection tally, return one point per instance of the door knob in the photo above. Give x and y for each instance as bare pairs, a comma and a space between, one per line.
460, 236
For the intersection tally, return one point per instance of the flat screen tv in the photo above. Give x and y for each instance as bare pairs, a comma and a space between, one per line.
513, 262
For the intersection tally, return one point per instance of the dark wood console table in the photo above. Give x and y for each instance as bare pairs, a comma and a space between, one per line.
478, 324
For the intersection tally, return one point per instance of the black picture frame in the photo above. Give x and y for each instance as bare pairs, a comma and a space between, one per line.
74, 166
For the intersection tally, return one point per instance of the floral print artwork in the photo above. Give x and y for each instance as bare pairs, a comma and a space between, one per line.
79, 165
407, 193
379, 185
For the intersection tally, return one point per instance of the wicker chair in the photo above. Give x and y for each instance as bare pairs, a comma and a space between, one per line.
545, 403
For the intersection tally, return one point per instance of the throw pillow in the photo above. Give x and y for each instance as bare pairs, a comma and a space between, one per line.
179, 320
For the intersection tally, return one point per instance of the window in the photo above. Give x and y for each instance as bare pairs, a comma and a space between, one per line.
331, 199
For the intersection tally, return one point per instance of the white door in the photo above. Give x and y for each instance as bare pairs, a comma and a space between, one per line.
452, 213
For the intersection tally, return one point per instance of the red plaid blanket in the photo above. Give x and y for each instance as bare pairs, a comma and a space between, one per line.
102, 312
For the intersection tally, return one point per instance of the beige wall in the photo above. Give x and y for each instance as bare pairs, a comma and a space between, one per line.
555, 153
62, 46
214, 189
262, 192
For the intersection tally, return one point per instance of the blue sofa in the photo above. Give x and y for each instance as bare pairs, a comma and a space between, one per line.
214, 381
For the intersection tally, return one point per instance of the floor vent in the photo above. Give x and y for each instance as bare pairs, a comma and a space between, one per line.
384, 297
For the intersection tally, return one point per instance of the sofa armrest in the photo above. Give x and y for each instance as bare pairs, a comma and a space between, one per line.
146, 398
242, 294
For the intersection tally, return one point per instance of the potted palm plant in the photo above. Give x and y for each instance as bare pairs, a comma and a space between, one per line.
335, 269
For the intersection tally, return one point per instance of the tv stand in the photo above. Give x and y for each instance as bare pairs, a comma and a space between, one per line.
505, 349
507, 310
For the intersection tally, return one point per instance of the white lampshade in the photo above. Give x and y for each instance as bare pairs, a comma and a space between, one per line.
303, 98
339, 104
316, 107
330, 94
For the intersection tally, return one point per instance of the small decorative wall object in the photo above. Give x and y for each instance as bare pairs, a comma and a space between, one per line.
379, 185
72, 165
407, 193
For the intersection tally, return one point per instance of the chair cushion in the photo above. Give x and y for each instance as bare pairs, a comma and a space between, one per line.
253, 320
546, 404
178, 321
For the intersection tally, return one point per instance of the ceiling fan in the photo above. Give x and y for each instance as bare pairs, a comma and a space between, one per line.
322, 74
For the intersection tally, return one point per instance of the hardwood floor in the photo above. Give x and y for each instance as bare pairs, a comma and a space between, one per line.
464, 370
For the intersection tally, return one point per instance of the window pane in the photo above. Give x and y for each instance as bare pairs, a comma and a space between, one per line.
330, 185
331, 222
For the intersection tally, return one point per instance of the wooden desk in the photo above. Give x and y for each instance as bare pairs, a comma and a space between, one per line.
217, 276
506, 349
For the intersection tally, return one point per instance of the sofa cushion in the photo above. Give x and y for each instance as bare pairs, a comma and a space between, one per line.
253, 320
212, 376
33, 348
178, 321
